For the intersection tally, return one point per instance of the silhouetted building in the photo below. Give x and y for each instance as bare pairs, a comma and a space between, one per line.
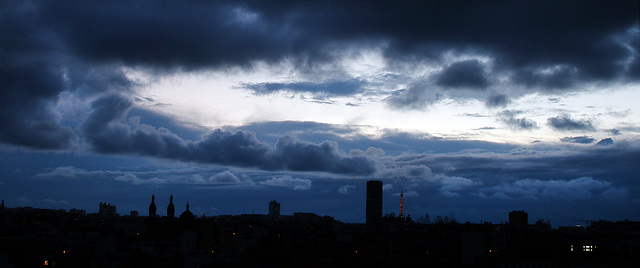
134, 213
170, 208
107, 210
152, 208
80, 212
518, 218
374, 201
274, 209
187, 219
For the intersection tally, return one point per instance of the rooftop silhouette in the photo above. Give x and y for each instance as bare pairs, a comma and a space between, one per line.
35, 237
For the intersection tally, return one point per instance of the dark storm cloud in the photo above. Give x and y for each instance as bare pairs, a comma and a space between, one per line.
464, 74
335, 88
509, 118
605, 142
35, 70
576, 34
51, 47
497, 100
300, 156
555, 78
29, 81
417, 96
166, 33
566, 123
579, 139
107, 131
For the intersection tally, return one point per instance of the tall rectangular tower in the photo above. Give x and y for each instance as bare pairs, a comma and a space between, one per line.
374, 201
274, 209
518, 218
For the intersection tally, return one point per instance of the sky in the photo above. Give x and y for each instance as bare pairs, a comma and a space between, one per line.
472, 109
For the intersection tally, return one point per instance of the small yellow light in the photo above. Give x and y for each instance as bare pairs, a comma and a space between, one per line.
46, 263
234, 233
64, 251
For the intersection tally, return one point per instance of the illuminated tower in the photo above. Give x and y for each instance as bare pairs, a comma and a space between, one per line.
171, 210
374, 201
401, 205
152, 207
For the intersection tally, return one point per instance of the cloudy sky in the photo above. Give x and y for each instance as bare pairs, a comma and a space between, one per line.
472, 108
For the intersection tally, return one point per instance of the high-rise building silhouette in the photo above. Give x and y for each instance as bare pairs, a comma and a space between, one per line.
171, 210
152, 207
518, 218
374, 201
274, 209
107, 210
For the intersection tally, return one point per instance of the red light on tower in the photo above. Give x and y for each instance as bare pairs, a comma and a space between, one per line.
401, 205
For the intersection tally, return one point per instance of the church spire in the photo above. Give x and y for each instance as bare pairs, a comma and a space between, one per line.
170, 208
152, 207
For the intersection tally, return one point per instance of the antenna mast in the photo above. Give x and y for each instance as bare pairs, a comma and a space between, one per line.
401, 204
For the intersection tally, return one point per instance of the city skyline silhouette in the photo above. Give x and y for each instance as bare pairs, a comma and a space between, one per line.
458, 110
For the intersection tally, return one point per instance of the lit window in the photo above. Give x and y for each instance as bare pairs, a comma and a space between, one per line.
572, 248
588, 248
46, 263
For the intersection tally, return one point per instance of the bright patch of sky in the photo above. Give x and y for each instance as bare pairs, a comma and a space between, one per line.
217, 98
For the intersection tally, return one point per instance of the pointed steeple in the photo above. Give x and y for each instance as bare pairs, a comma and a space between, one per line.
152, 207
171, 210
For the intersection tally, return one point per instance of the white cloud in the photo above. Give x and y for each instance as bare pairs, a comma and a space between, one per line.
226, 177
579, 188
414, 173
133, 179
63, 172
344, 189
452, 185
287, 181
